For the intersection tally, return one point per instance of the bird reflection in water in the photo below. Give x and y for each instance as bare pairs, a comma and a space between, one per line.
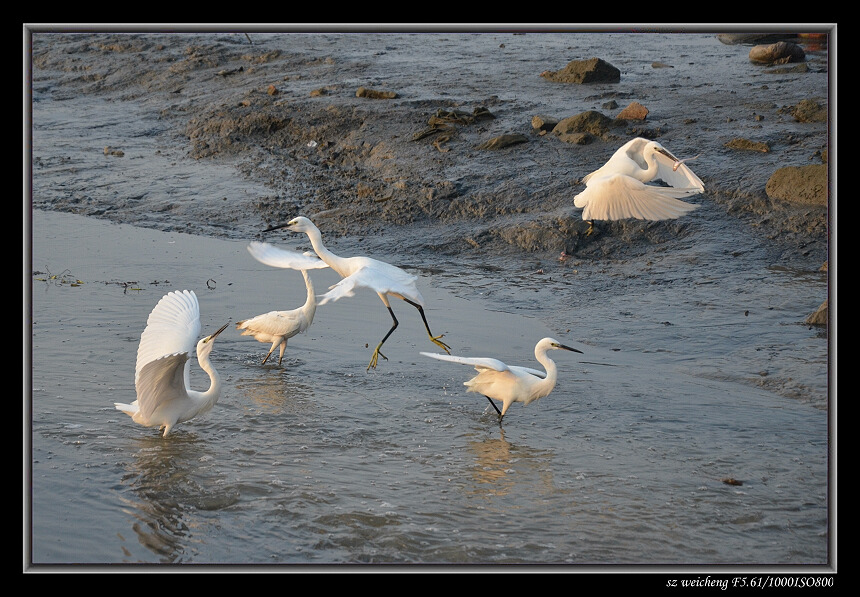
163, 487
274, 391
500, 466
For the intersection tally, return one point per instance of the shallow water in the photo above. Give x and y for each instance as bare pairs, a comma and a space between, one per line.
323, 462
696, 367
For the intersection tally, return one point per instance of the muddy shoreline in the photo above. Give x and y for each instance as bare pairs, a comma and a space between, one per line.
363, 162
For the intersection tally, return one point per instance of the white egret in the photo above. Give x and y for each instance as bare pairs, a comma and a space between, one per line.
508, 384
162, 373
362, 272
618, 190
279, 326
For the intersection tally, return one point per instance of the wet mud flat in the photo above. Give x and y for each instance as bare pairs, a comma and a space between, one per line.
223, 134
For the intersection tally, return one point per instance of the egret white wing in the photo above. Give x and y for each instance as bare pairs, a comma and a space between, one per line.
276, 323
173, 327
479, 363
677, 173
529, 371
275, 257
619, 197
161, 381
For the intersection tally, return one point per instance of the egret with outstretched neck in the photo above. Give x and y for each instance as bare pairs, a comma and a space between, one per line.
363, 272
618, 190
508, 383
162, 372
279, 326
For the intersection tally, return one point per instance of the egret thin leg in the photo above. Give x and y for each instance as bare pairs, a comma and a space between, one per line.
376, 353
509, 384
494, 406
435, 339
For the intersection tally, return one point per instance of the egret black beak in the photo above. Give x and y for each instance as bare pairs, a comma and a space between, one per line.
223, 327
668, 154
279, 226
562, 346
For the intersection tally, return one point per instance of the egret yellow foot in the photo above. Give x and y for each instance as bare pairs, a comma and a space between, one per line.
440, 344
375, 357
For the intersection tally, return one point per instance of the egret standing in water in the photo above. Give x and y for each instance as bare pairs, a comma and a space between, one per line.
161, 376
618, 190
363, 272
507, 383
279, 326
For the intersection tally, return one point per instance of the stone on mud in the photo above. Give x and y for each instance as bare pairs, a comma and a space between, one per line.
593, 70
799, 184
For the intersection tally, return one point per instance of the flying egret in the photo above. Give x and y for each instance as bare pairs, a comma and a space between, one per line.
163, 369
362, 272
618, 190
279, 326
508, 384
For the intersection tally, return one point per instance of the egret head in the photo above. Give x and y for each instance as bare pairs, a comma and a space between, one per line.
654, 147
299, 224
553, 344
205, 345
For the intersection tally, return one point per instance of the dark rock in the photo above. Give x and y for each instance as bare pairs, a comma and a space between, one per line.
799, 184
593, 70
578, 138
590, 122
819, 317
634, 111
543, 123
374, 94
747, 145
809, 111
781, 52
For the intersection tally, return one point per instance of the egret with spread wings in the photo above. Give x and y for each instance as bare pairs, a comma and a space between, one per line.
618, 190
162, 373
